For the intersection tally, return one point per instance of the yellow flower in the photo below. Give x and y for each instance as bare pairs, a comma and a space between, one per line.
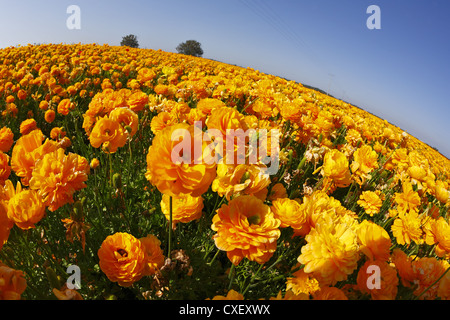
24, 207
331, 253
365, 160
407, 228
408, 200
127, 118
302, 282
370, 201
437, 232
5, 169
290, 213
336, 167
185, 208
374, 241
246, 228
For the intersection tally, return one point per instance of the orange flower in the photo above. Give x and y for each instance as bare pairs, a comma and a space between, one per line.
329, 293
57, 176
374, 241
127, 118
64, 106
290, 213
207, 105
403, 264
5, 169
123, 258
137, 101
6, 139
155, 257
278, 191
370, 201
24, 207
50, 115
185, 208
443, 291
383, 288
57, 133
27, 126
108, 131
5, 223
246, 228
427, 271
233, 180
67, 294
231, 295
188, 174
12, 283
27, 151
162, 120
94, 163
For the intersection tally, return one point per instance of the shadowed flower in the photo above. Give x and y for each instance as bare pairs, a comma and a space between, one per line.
6, 139
123, 258
154, 254
185, 208
383, 288
12, 283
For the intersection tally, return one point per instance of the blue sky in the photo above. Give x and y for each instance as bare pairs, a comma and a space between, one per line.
400, 73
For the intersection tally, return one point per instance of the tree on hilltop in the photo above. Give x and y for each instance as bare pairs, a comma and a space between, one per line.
130, 41
191, 48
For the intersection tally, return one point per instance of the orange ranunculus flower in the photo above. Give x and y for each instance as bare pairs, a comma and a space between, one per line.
246, 228
290, 213
110, 131
94, 163
57, 133
64, 106
5, 169
374, 241
330, 293
331, 252
403, 264
27, 126
5, 223
443, 290
278, 191
12, 283
336, 167
57, 176
6, 139
408, 200
50, 115
231, 295
441, 192
207, 105
185, 208
137, 101
67, 294
27, 151
123, 258
407, 228
302, 283
24, 207
162, 120
174, 166
233, 180
427, 271
127, 118
437, 232
387, 281
155, 256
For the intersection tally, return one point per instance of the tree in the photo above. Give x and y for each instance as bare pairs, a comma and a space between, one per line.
190, 47
130, 41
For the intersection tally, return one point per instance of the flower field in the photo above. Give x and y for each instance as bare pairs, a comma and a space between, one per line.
357, 209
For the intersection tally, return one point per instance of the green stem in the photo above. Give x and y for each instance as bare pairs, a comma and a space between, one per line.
231, 275
253, 278
170, 227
